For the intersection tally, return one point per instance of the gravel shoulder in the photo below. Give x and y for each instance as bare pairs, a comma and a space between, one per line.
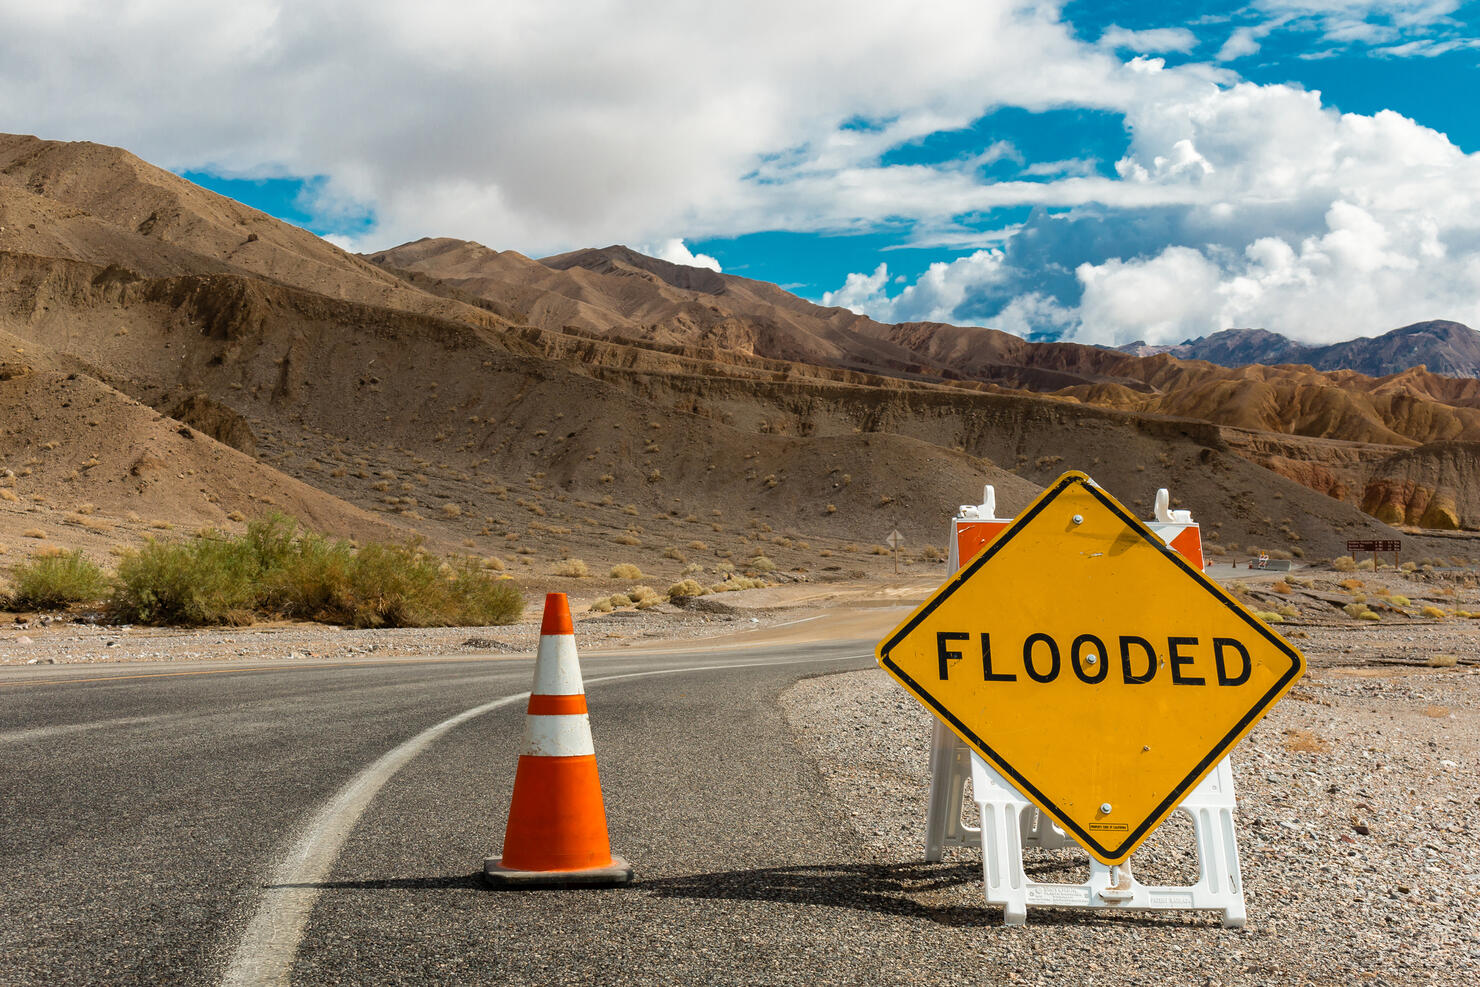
1358, 816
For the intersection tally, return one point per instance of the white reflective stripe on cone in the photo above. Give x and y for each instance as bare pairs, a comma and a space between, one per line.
566, 735
557, 670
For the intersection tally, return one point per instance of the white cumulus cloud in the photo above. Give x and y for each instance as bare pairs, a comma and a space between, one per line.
675, 251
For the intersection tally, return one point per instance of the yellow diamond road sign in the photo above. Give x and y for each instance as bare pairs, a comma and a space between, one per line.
1092, 666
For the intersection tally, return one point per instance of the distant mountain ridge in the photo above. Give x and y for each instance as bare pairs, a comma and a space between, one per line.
1442, 347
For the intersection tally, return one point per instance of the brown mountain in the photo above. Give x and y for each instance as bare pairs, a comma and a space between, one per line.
600, 404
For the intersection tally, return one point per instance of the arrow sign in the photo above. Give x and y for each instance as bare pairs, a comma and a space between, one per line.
1091, 665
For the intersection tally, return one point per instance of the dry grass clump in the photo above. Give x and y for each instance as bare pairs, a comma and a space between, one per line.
1369, 615
572, 569
672, 552
55, 579
1280, 586
603, 605
686, 588
625, 570
8, 494
33, 533
1344, 563
274, 570
1442, 661
1270, 616
1399, 600
761, 564
626, 539
734, 584
1432, 611
1355, 610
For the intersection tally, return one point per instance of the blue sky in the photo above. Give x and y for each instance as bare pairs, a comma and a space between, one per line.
1100, 171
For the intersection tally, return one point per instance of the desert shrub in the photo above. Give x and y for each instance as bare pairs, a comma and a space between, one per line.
687, 587
761, 564
1408, 567
931, 553
1369, 615
603, 605
1344, 563
1280, 586
879, 550
55, 581
272, 570
1442, 661
1366, 564
573, 569
1269, 616
672, 552
1355, 609
625, 570
1431, 611
207, 581
1399, 600
626, 539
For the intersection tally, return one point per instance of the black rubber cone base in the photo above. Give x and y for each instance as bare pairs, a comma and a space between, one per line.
499, 876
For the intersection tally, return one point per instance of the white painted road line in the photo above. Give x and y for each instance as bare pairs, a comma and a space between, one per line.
264, 955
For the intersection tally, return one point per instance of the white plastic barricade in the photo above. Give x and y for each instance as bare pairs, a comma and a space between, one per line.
1009, 822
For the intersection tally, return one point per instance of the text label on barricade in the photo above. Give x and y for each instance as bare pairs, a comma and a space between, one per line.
1098, 671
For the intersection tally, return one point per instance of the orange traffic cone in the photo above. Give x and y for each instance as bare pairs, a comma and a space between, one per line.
557, 823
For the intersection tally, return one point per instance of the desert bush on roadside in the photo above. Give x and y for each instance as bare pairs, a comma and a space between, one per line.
1344, 563
56, 580
273, 570
572, 569
1369, 615
625, 570
687, 587
1356, 609
1430, 611
640, 595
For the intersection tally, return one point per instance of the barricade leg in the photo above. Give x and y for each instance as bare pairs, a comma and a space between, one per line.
1004, 810
950, 766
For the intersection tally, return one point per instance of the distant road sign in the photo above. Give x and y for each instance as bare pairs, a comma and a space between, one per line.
1091, 665
895, 539
1392, 545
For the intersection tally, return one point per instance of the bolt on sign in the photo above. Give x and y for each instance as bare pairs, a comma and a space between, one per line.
1091, 665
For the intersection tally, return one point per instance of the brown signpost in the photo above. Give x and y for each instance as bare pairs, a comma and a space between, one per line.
1374, 546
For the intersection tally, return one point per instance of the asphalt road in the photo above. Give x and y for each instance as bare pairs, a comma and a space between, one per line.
161, 824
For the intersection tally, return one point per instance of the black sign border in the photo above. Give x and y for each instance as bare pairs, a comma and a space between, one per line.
1123, 849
